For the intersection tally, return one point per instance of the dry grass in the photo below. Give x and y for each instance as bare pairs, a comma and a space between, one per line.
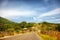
46, 37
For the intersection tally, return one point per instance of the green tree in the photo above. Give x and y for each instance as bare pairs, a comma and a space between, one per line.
29, 25
58, 28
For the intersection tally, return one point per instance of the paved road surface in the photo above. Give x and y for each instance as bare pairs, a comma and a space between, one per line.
29, 36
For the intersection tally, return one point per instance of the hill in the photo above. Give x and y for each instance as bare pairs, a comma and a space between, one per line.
4, 20
8, 27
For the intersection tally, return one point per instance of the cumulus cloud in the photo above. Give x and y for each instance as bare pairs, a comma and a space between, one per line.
48, 14
57, 19
9, 13
34, 18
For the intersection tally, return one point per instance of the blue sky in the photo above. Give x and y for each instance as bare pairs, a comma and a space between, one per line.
31, 10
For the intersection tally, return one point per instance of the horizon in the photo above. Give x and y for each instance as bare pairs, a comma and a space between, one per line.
29, 22
31, 10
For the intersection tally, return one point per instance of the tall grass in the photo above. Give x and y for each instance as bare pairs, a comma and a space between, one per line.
46, 37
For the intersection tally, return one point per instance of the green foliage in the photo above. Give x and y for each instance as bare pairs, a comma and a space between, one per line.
49, 28
44, 22
2, 28
58, 28
7, 25
23, 24
29, 25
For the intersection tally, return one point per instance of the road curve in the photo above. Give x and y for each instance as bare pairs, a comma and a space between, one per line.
29, 36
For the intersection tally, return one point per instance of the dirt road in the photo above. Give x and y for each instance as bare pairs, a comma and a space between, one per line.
29, 36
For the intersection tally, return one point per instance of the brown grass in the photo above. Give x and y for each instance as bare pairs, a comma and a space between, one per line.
55, 34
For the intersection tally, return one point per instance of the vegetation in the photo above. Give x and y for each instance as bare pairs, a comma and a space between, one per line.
58, 28
46, 37
8, 27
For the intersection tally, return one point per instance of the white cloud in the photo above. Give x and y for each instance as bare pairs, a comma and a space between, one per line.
50, 13
0, 13
10, 13
34, 18
57, 19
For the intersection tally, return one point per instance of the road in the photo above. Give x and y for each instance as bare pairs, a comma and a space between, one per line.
29, 36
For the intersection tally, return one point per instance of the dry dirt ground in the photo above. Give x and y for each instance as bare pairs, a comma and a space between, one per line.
29, 36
